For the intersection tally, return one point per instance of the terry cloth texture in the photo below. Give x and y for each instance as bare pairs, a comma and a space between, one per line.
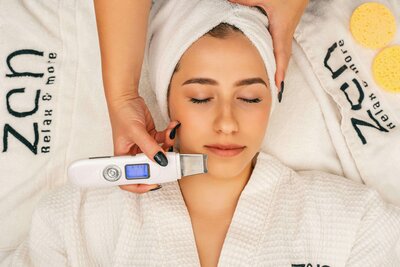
175, 25
282, 218
304, 131
362, 118
52, 105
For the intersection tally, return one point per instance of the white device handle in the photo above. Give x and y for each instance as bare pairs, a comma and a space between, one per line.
110, 171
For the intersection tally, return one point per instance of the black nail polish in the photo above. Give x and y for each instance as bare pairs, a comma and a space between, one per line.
281, 92
158, 187
171, 149
173, 132
161, 159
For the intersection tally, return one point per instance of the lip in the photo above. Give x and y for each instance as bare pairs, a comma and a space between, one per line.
228, 150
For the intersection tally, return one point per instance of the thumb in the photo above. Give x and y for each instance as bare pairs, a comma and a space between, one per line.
149, 146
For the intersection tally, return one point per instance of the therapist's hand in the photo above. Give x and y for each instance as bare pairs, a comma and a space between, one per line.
283, 19
134, 132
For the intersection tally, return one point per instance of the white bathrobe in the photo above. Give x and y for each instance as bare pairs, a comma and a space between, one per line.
305, 132
283, 218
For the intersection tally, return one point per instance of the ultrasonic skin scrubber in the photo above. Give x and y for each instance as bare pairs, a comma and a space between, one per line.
139, 169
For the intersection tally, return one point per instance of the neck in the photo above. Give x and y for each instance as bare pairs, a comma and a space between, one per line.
207, 196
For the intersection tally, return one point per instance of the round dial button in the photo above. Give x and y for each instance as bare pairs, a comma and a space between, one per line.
112, 173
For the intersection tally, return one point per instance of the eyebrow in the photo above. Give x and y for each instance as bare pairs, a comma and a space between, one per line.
207, 81
251, 81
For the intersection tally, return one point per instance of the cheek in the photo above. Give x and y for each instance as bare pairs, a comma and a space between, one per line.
187, 113
254, 126
192, 134
194, 128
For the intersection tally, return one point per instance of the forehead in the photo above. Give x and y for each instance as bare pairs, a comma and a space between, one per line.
233, 54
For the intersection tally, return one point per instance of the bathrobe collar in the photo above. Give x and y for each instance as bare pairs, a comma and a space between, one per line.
167, 209
243, 235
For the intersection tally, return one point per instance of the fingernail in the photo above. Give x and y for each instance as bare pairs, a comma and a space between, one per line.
171, 149
281, 92
161, 159
173, 132
156, 188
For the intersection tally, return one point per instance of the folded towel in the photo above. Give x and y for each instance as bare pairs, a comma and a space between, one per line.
189, 20
52, 105
363, 119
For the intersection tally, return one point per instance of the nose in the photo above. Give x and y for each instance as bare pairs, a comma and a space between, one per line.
225, 120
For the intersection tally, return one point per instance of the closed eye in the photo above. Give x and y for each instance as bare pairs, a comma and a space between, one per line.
200, 101
254, 100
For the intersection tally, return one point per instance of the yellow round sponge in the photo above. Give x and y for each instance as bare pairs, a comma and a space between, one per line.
386, 69
373, 25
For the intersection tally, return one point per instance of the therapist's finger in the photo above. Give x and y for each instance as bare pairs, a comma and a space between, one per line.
281, 34
170, 135
135, 150
139, 188
282, 42
163, 136
167, 137
149, 145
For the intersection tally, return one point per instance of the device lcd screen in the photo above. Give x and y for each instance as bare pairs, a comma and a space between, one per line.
137, 171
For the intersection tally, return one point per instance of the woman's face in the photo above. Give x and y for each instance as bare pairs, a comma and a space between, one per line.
221, 95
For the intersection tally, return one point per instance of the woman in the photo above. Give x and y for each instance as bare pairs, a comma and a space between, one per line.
249, 209
122, 31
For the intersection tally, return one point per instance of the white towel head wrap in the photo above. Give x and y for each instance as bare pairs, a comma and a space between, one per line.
176, 24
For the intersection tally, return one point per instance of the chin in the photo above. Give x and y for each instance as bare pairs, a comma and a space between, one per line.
225, 168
